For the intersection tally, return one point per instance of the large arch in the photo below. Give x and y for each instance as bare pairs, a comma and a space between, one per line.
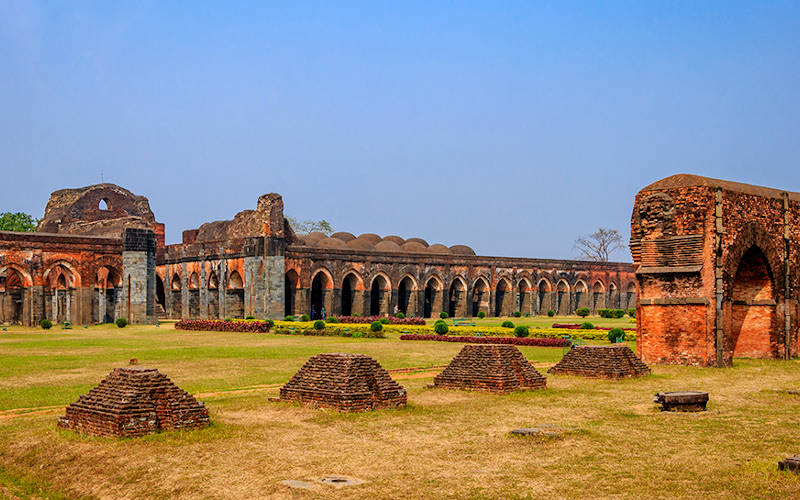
212, 285
581, 295
234, 296
630, 296
457, 298
613, 296
290, 294
524, 301
407, 295
321, 294
161, 297
380, 294
562, 307
598, 296
60, 281
543, 302
176, 295
107, 287
194, 295
503, 298
753, 326
433, 296
352, 294
480, 296
12, 294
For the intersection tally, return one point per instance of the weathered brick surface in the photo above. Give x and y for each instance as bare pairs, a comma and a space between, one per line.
717, 271
491, 368
345, 382
133, 401
614, 361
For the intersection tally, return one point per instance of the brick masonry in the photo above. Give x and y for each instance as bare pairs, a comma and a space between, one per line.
614, 361
490, 368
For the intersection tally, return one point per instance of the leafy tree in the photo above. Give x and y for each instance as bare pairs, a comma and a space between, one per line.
599, 245
19, 222
309, 226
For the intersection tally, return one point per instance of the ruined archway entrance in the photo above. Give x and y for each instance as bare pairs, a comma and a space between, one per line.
12, 296
433, 290
321, 287
406, 295
107, 288
543, 297
235, 296
213, 295
630, 296
524, 305
352, 295
457, 299
176, 300
503, 299
161, 297
562, 298
598, 296
581, 297
290, 280
480, 297
379, 296
753, 320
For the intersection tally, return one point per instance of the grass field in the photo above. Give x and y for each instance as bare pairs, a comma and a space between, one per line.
445, 444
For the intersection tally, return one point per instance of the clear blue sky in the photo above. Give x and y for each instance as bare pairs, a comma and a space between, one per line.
512, 127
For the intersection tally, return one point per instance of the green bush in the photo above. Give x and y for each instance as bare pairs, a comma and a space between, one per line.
356, 315
46, 324
444, 315
400, 315
551, 313
305, 317
632, 312
122, 322
440, 328
521, 331
385, 321
249, 317
319, 325
228, 320
517, 314
616, 335
331, 319
481, 314
289, 318
582, 312
507, 324
604, 313
618, 313
270, 323
376, 326
587, 326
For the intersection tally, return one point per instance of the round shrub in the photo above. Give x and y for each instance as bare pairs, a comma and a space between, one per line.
521, 331
356, 315
270, 323
517, 314
632, 312
444, 315
376, 326
551, 313
385, 321
122, 322
249, 317
319, 325
46, 324
440, 328
481, 314
582, 311
618, 313
587, 326
616, 335
304, 317
507, 324
332, 319
289, 318
400, 316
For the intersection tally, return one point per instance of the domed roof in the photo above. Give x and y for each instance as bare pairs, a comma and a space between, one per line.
438, 248
462, 250
371, 237
360, 244
418, 240
343, 236
331, 243
388, 246
413, 247
394, 239
315, 236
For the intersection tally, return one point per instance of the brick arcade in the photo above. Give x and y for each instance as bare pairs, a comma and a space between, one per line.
717, 270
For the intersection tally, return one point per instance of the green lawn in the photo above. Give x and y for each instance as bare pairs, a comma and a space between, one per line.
445, 444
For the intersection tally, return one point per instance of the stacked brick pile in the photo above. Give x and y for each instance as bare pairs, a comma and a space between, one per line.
133, 401
492, 368
344, 382
613, 361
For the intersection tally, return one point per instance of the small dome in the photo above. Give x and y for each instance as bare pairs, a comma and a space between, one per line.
331, 243
343, 236
394, 239
418, 240
371, 237
413, 247
303, 239
360, 244
438, 248
315, 236
462, 250
388, 246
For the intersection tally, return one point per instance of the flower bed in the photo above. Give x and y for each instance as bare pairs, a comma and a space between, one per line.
369, 319
542, 342
222, 326
577, 326
330, 330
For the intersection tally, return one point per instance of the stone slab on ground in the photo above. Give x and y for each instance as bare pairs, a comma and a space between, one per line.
682, 400
543, 431
791, 464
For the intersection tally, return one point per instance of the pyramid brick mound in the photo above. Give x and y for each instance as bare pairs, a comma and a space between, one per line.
133, 401
613, 361
492, 368
344, 382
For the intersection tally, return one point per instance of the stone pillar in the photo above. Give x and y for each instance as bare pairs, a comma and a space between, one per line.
223, 286
167, 291
185, 311
139, 275
203, 287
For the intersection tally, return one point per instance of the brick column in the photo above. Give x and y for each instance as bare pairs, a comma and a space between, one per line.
139, 275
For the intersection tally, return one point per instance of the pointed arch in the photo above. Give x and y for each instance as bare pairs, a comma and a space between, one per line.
234, 295
581, 295
524, 304
753, 330
407, 295
504, 300
457, 297
432, 296
380, 294
598, 296
352, 293
543, 296
563, 299
480, 296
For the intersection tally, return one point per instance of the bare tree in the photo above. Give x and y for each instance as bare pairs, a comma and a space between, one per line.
599, 245
308, 226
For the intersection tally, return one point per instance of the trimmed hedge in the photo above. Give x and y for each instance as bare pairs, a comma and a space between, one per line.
332, 331
542, 342
392, 320
223, 326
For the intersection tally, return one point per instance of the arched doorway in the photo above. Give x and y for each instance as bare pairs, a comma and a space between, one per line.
406, 296
321, 286
581, 295
161, 297
107, 287
598, 296
457, 299
235, 295
213, 295
613, 296
176, 300
290, 280
753, 321
503, 299
60, 283
562, 298
480, 297
379, 295
524, 304
630, 296
12, 291
433, 294
194, 296
543, 297
352, 295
